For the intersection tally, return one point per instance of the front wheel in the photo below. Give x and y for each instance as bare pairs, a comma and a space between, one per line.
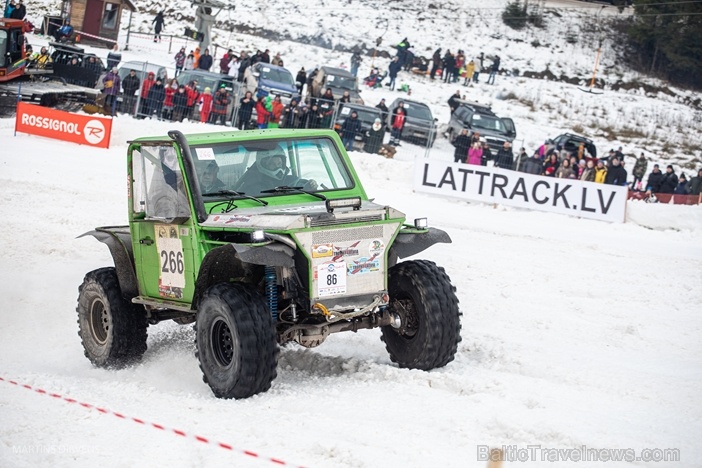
236, 341
112, 330
422, 296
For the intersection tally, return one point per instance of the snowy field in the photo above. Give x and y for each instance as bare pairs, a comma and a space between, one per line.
575, 332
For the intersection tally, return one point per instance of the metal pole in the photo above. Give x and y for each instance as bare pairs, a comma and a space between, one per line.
129, 28
170, 43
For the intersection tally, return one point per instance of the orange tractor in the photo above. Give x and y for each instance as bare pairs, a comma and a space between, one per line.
32, 84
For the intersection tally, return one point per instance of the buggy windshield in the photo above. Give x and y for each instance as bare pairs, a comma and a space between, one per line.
254, 167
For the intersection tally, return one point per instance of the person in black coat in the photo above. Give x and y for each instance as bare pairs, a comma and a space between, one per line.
383, 110
393, 69
505, 157
180, 104
669, 180
653, 184
246, 106
461, 143
158, 26
205, 62
19, 12
453, 101
155, 98
683, 187
314, 116
532, 165
130, 85
374, 137
300, 80
349, 129
695, 185
291, 115
616, 174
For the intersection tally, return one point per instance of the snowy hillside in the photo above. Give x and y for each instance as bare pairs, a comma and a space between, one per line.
644, 115
575, 332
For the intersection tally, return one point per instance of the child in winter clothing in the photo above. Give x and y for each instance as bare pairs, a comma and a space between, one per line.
205, 105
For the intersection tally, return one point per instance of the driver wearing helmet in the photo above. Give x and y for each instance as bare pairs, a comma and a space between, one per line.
270, 171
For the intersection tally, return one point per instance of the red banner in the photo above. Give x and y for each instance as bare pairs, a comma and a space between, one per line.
667, 198
60, 125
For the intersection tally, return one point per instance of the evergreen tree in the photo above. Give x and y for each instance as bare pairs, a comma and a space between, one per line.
515, 14
666, 40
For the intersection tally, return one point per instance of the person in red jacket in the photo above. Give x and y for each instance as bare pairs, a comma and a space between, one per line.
205, 105
262, 115
398, 123
193, 95
145, 87
276, 112
168, 102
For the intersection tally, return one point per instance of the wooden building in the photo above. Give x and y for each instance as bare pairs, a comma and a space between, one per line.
96, 19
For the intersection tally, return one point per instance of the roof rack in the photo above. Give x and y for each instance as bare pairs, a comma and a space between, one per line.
474, 104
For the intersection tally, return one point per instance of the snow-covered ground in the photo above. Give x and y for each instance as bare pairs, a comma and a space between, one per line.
575, 332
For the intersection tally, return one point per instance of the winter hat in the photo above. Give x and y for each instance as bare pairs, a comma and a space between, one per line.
683, 176
669, 167
582, 161
208, 90
377, 120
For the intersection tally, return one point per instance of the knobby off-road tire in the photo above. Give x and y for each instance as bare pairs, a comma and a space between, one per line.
112, 330
422, 295
236, 341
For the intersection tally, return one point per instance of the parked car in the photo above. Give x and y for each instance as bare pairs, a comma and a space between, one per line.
480, 118
571, 143
213, 81
263, 79
420, 125
142, 69
366, 115
338, 80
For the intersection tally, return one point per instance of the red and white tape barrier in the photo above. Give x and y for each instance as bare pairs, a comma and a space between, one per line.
160, 427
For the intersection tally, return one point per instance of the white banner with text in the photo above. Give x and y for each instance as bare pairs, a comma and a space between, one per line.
494, 185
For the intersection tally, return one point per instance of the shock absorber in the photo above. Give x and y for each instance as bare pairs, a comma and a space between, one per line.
272, 291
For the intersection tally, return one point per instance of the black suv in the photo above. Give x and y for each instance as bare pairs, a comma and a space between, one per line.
480, 118
571, 143
366, 115
420, 124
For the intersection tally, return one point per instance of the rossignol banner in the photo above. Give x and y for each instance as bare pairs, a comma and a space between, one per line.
494, 185
60, 125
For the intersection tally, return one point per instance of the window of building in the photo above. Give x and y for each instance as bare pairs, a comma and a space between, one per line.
109, 16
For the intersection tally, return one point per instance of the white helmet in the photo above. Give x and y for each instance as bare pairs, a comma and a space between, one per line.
263, 164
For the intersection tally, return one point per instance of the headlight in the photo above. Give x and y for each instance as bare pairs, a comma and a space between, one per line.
421, 223
258, 236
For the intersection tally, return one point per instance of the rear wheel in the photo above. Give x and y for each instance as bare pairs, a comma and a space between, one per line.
236, 341
112, 330
422, 296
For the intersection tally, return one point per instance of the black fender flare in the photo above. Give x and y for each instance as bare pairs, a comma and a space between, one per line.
240, 262
411, 243
119, 240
